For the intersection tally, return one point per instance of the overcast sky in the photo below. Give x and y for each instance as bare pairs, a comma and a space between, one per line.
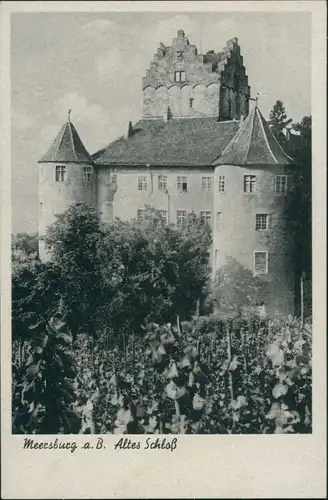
93, 63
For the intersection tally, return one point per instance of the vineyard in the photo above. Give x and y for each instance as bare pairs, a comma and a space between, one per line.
204, 376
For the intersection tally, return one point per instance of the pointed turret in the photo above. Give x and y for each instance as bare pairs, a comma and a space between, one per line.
254, 144
67, 147
66, 177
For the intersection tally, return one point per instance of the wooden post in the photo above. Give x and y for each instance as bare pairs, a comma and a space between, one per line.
302, 299
230, 374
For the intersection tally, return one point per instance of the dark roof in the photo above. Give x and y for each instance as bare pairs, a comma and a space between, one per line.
67, 147
254, 144
188, 141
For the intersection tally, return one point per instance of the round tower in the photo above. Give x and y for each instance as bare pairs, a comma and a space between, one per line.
251, 228
66, 176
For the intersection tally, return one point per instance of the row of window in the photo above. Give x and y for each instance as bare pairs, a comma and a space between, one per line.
261, 220
250, 181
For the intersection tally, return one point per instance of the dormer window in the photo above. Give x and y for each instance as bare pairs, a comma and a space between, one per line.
179, 76
60, 173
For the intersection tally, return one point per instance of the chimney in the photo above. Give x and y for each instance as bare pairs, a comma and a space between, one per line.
129, 132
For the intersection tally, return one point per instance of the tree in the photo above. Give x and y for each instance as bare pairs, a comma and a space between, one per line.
278, 120
155, 271
73, 244
300, 199
236, 288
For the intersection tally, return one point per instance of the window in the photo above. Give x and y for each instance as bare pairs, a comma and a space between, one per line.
40, 208
107, 211
179, 76
249, 183
260, 263
281, 184
206, 216
261, 222
87, 174
182, 185
111, 176
163, 215
142, 183
207, 183
60, 173
191, 102
221, 184
179, 55
162, 183
218, 221
140, 214
181, 217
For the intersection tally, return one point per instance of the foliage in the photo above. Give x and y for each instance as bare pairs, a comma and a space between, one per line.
24, 247
278, 120
118, 277
43, 389
204, 376
236, 289
34, 295
73, 243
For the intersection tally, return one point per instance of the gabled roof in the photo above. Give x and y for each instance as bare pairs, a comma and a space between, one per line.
188, 141
254, 144
67, 147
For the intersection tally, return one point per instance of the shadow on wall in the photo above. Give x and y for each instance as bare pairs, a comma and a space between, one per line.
237, 291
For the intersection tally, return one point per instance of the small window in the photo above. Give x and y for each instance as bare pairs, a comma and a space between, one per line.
107, 211
260, 263
218, 221
250, 183
179, 55
261, 222
40, 208
191, 102
181, 217
87, 174
207, 183
179, 76
221, 184
206, 216
60, 173
140, 214
182, 184
162, 183
281, 184
111, 176
163, 215
142, 183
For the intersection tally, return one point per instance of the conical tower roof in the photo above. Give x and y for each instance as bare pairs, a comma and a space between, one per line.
67, 147
254, 144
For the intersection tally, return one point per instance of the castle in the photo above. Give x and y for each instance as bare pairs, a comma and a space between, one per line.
198, 148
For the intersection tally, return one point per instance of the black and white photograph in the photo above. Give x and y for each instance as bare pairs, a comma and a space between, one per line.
161, 226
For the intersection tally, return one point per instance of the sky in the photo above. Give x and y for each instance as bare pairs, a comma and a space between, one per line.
93, 63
